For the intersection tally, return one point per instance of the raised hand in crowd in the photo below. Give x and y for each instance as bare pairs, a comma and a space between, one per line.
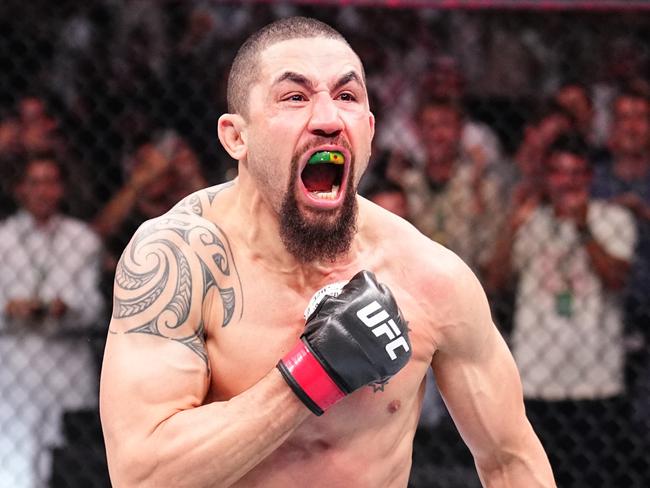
161, 172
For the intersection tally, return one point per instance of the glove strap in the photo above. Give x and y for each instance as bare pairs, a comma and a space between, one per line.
308, 379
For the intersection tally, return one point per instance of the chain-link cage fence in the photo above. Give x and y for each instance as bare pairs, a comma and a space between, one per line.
517, 137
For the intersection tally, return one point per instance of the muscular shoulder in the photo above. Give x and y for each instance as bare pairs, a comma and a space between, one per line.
172, 271
455, 299
407, 248
189, 229
447, 284
447, 289
381, 226
201, 203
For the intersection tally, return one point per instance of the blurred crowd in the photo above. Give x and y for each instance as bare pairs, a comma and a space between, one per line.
523, 149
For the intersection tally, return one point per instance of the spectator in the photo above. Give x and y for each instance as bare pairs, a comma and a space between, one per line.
520, 182
37, 128
624, 62
160, 173
571, 255
48, 296
539, 133
623, 176
479, 144
448, 201
31, 130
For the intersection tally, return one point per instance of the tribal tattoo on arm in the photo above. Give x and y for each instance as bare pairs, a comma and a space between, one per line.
165, 274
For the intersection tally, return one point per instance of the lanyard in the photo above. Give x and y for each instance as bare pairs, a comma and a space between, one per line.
42, 256
564, 297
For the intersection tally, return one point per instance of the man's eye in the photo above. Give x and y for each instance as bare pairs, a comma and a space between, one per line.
347, 97
295, 97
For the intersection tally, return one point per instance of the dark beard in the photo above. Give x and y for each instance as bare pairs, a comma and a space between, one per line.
320, 239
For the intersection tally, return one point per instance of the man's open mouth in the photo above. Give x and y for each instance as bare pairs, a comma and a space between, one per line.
323, 174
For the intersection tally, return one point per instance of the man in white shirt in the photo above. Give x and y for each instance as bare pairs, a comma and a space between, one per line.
571, 256
49, 292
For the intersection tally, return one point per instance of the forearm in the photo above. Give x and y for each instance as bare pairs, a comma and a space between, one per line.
83, 315
213, 445
527, 466
611, 270
116, 211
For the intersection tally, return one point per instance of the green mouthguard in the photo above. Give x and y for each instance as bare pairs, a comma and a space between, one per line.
326, 157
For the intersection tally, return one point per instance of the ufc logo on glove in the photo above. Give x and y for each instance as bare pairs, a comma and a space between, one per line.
388, 328
335, 354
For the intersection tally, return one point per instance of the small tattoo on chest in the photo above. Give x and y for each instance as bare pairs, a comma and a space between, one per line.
378, 385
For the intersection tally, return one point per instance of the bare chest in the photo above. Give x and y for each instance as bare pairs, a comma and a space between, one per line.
271, 321
373, 427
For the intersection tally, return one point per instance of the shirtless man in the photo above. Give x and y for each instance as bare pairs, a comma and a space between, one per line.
210, 297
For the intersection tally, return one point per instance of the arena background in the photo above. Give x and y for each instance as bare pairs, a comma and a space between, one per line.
97, 79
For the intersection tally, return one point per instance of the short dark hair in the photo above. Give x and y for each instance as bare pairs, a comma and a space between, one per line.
244, 70
546, 109
570, 142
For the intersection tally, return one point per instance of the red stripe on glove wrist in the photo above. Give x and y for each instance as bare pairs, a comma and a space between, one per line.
311, 377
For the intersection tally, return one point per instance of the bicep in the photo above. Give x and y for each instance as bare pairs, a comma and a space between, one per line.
478, 379
155, 362
483, 396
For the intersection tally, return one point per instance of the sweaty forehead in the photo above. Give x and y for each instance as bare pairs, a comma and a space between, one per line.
317, 57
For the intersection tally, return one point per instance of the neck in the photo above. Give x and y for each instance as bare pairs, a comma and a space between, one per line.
41, 220
260, 237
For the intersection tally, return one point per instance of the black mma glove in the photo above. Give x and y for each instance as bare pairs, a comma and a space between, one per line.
351, 340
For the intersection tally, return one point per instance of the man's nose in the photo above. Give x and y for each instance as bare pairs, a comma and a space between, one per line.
325, 117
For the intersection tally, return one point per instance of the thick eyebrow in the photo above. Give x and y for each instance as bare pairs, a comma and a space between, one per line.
347, 78
294, 78
305, 82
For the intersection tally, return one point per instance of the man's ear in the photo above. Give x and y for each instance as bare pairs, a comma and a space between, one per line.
231, 132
